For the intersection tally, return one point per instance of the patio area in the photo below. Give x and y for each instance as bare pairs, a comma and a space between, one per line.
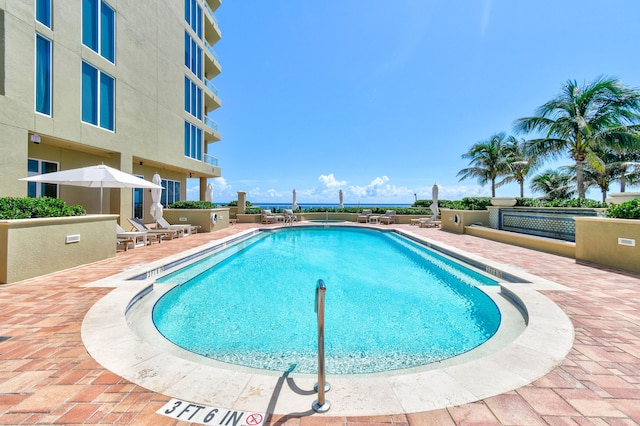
47, 376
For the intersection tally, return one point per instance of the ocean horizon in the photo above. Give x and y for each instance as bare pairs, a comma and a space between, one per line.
327, 205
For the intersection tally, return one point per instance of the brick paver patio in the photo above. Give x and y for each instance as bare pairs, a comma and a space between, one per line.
47, 376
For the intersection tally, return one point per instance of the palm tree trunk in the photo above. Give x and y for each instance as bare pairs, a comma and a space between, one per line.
493, 188
522, 189
623, 179
580, 178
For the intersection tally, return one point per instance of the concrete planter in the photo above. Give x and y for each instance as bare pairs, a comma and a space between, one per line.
621, 197
609, 242
503, 201
456, 220
34, 247
209, 220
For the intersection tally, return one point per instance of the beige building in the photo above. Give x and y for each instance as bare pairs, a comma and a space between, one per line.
117, 82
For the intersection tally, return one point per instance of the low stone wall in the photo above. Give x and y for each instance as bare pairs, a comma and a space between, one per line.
456, 220
609, 242
209, 220
34, 247
547, 245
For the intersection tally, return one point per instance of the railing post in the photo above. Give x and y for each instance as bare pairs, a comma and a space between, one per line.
321, 405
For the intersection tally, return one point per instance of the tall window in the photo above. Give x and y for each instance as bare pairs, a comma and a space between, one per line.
170, 192
98, 97
192, 55
192, 98
193, 16
43, 75
138, 201
43, 12
192, 141
36, 189
99, 28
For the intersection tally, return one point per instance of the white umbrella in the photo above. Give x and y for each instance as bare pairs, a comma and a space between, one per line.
156, 195
341, 194
208, 195
100, 176
434, 200
294, 206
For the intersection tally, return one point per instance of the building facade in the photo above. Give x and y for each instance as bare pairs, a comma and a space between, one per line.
117, 82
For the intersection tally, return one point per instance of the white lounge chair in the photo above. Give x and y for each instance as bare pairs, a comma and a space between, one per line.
289, 216
186, 228
427, 222
364, 216
135, 238
169, 234
389, 217
268, 217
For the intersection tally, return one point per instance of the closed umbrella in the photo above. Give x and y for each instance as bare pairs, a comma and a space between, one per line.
434, 200
341, 194
156, 195
208, 195
99, 176
294, 206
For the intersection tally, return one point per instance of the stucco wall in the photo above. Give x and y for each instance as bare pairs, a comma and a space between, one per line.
609, 242
200, 217
33, 247
456, 220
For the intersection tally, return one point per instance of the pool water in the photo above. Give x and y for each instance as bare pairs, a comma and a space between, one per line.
390, 303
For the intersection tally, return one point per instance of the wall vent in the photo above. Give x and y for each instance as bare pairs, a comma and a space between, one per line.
627, 242
72, 239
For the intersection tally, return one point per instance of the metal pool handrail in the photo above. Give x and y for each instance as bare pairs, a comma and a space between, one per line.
321, 405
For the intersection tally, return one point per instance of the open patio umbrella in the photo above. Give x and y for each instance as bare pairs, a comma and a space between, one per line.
156, 195
100, 176
434, 200
294, 205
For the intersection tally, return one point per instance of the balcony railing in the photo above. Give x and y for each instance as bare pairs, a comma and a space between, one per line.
210, 49
209, 122
211, 87
210, 12
210, 159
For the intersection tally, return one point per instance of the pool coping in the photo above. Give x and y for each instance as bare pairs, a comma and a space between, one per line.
544, 343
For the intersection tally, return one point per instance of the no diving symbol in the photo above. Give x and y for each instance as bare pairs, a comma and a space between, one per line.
254, 419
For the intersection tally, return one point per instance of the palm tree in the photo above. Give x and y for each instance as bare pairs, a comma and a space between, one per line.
488, 161
554, 184
626, 164
520, 164
580, 118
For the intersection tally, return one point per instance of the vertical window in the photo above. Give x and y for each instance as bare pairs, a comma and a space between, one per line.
98, 28
107, 32
35, 189
43, 12
192, 55
138, 201
192, 141
170, 192
193, 16
98, 97
192, 98
90, 24
43, 75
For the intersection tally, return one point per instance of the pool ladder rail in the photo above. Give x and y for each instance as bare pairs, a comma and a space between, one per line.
321, 405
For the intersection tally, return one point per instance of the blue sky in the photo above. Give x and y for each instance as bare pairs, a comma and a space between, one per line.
381, 99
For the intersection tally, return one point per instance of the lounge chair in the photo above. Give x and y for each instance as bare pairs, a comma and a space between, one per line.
169, 234
427, 222
364, 216
268, 217
135, 238
389, 217
186, 228
289, 216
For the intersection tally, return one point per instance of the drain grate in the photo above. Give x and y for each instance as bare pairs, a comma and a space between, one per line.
3, 338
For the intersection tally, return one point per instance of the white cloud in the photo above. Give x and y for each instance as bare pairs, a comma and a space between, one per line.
331, 182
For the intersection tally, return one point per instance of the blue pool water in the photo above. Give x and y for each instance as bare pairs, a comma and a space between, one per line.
390, 303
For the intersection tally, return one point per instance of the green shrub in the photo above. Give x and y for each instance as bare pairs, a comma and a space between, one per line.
575, 202
27, 208
234, 203
253, 210
192, 205
626, 210
467, 203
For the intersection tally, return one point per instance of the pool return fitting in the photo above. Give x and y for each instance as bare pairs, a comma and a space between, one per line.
321, 405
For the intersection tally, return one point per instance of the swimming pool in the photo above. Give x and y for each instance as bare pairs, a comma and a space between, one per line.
391, 303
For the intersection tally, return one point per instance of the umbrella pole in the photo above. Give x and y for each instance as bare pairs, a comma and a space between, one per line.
101, 198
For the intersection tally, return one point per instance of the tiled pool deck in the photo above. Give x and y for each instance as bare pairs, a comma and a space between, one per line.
47, 376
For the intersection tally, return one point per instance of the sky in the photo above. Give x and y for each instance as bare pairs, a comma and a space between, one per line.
381, 99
